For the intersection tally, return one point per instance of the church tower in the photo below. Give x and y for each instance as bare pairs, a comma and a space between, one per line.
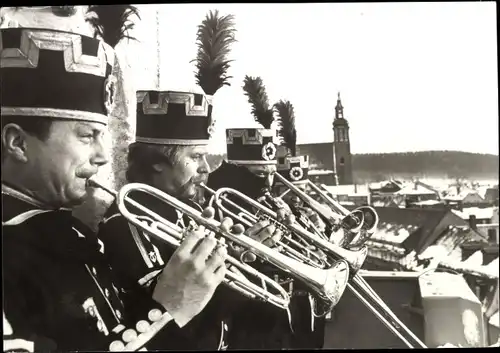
342, 160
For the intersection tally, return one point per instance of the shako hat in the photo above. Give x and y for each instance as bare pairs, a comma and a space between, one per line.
55, 74
295, 169
254, 145
46, 72
181, 117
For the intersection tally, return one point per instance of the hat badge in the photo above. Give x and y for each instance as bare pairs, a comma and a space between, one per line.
268, 151
211, 128
109, 93
296, 173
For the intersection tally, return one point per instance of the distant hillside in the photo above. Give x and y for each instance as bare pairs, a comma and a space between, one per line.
450, 164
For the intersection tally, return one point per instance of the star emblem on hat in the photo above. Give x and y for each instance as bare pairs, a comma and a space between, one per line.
109, 93
296, 173
269, 151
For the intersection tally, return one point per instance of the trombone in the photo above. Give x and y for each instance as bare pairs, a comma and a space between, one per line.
328, 284
358, 286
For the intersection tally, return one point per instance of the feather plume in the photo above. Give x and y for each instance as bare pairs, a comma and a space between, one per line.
256, 92
112, 22
215, 36
287, 130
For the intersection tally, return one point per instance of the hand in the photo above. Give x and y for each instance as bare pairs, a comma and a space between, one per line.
284, 213
314, 218
192, 274
264, 232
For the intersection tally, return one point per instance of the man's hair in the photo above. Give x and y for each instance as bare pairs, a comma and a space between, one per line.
142, 157
34, 126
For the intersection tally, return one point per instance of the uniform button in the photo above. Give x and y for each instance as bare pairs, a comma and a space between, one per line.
154, 315
92, 311
94, 271
106, 292
225, 327
129, 335
116, 346
100, 326
142, 326
118, 314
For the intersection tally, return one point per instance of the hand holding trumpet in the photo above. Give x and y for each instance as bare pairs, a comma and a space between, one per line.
188, 281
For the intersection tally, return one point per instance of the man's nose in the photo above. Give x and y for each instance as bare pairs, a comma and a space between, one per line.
100, 156
269, 180
204, 166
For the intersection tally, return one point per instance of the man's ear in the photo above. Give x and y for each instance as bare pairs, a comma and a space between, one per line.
14, 142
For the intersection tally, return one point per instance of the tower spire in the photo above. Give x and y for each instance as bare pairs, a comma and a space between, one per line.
339, 109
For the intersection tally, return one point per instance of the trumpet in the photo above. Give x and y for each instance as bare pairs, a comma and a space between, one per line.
357, 226
288, 244
368, 219
328, 284
354, 258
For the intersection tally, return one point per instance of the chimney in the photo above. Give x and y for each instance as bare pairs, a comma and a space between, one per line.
415, 185
355, 188
472, 222
492, 235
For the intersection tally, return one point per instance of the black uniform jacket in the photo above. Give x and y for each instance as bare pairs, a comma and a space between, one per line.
138, 258
59, 291
259, 325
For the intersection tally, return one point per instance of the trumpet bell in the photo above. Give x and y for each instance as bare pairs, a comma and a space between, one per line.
369, 226
336, 279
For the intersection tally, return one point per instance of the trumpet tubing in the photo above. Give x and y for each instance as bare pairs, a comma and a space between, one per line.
248, 219
355, 259
328, 284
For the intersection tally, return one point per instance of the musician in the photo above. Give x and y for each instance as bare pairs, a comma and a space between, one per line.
59, 291
309, 330
172, 134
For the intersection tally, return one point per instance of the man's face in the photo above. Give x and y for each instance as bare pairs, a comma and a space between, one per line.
182, 179
266, 172
61, 165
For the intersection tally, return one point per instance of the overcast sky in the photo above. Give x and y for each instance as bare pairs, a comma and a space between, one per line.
412, 77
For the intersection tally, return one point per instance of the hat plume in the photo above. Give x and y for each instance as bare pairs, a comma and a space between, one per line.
256, 92
215, 36
112, 22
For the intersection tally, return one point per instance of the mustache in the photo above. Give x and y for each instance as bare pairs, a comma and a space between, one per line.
86, 174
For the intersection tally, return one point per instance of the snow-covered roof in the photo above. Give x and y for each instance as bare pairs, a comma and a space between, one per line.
320, 172
480, 213
427, 203
393, 233
415, 189
349, 190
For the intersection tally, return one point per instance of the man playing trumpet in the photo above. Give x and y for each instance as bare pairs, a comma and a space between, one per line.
250, 169
59, 292
172, 134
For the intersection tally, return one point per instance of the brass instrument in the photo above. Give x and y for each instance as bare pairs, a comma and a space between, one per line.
328, 284
356, 226
358, 286
288, 245
354, 258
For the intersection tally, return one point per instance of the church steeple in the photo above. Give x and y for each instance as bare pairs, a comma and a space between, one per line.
339, 109
341, 146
